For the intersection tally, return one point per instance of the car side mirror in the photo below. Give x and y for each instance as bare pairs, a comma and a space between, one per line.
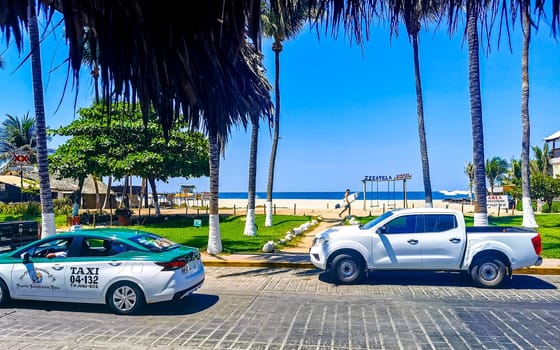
381, 230
25, 258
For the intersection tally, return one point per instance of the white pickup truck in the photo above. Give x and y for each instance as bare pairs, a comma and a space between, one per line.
425, 239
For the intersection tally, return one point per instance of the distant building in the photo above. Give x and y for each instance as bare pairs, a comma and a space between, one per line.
554, 141
11, 185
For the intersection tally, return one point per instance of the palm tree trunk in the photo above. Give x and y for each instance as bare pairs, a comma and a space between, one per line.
214, 236
157, 208
421, 129
47, 209
250, 227
528, 214
480, 210
277, 47
108, 193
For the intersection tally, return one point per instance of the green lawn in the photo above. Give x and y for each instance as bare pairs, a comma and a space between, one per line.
181, 229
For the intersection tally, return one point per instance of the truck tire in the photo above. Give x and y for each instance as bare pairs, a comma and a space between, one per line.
488, 272
346, 269
4, 294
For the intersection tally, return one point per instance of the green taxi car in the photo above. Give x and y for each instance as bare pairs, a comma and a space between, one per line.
122, 268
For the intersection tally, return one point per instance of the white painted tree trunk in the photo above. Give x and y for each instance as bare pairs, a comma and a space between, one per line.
47, 225
268, 218
480, 219
528, 214
250, 227
214, 235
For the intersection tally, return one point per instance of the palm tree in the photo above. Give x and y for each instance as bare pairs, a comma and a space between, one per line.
18, 135
250, 226
480, 209
47, 209
528, 214
541, 163
469, 171
412, 16
281, 22
496, 168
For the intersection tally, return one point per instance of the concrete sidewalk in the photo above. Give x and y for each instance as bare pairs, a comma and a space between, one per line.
298, 256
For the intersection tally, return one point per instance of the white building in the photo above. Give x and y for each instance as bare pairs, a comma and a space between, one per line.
554, 148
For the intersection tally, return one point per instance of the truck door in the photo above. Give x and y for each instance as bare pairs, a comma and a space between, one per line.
396, 244
442, 242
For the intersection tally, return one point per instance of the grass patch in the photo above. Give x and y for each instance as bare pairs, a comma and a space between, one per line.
181, 229
549, 228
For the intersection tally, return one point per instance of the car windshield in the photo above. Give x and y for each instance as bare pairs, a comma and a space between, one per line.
154, 242
375, 221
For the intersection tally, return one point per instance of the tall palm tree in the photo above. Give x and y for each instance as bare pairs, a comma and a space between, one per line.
250, 226
480, 209
496, 168
47, 209
469, 171
528, 214
412, 17
281, 20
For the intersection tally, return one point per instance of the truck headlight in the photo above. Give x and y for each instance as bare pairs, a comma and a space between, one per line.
317, 241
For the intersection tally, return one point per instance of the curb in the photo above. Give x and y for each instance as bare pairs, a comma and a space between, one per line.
229, 262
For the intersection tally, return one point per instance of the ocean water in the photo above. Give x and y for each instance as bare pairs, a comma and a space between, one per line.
381, 195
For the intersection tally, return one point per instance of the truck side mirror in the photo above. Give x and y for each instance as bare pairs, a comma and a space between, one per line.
25, 257
381, 230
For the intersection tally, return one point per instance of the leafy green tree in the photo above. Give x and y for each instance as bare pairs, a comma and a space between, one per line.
281, 20
117, 142
496, 169
545, 187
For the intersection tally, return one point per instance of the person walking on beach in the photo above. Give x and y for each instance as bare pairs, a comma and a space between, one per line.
347, 203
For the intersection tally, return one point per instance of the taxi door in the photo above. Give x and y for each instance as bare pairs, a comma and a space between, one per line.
97, 265
39, 279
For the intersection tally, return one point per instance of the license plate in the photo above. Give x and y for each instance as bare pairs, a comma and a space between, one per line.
190, 267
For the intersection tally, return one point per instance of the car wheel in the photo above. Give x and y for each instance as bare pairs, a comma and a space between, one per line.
346, 269
488, 272
125, 298
4, 294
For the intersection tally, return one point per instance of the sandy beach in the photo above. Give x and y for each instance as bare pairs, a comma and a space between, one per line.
326, 208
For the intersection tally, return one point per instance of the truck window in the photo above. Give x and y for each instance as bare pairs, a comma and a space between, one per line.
402, 224
439, 222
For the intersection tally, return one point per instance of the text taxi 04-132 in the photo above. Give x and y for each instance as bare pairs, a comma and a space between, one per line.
122, 268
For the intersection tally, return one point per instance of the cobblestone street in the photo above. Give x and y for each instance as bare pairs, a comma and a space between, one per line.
264, 308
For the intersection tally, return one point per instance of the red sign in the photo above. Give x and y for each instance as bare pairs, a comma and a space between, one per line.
20, 158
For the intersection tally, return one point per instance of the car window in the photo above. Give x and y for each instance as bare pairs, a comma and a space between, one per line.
154, 242
402, 224
101, 247
53, 248
439, 222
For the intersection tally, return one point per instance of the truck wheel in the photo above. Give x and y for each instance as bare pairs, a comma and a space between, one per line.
125, 298
4, 294
488, 272
346, 269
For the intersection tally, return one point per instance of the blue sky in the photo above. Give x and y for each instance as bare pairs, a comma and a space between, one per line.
349, 112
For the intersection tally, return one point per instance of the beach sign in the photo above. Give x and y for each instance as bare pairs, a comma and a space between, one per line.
197, 223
